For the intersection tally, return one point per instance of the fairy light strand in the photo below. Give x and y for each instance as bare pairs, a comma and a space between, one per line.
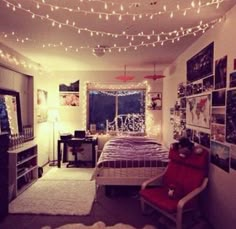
105, 15
102, 33
159, 39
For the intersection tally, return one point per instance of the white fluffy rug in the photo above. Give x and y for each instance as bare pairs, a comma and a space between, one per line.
99, 225
55, 197
68, 174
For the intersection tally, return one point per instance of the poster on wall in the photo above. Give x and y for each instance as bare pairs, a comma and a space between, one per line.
218, 98
231, 117
232, 79
201, 64
218, 115
198, 111
207, 84
42, 106
220, 155
154, 101
218, 132
69, 94
220, 72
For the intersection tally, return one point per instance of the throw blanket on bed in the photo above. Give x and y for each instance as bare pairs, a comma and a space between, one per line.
127, 151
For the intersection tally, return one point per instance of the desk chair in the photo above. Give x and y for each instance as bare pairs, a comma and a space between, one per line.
75, 149
179, 185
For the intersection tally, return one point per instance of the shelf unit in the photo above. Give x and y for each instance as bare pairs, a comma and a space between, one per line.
23, 168
4, 141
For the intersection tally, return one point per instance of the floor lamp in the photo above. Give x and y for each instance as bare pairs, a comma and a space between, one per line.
53, 117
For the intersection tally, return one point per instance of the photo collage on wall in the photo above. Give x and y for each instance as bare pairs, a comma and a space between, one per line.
178, 113
69, 94
210, 107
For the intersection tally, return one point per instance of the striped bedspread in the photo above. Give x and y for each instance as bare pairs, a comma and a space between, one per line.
123, 152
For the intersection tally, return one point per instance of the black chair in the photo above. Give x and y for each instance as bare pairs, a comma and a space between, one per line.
75, 149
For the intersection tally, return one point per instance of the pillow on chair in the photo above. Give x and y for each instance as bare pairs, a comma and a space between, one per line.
175, 191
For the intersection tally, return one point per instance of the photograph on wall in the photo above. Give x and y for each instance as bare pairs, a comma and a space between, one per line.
208, 84
220, 73
204, 139
218, 115
201, 64
218, 132
233, 157
182, 102
69, 94
181, 90
220, 155
231, 117
198, 111
218, 98
189, 89
69, 99
154, 101
42, 106
197, 88
232, 79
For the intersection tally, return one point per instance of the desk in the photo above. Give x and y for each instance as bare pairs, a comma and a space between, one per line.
65, 143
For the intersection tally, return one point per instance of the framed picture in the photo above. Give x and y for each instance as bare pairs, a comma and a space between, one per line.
154, 100
42, 107
220, 155
231, 117
198, 111
220, 73
201, 64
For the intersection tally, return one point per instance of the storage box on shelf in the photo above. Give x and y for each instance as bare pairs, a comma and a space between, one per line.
23, 168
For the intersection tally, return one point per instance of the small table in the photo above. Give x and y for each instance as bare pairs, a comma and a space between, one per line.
66, 142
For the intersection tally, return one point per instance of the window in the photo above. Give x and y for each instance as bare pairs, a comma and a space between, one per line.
108, 104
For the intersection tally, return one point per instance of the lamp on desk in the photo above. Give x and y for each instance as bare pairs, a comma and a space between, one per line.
53, 117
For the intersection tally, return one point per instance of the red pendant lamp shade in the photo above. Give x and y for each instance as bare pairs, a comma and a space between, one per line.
124, 77
154, 76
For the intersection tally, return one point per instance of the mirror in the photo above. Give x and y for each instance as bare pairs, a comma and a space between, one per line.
10, 112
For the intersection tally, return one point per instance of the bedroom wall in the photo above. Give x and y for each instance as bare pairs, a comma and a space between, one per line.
220, 198
71, 118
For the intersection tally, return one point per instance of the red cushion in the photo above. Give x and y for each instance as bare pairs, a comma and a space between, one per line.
159, 197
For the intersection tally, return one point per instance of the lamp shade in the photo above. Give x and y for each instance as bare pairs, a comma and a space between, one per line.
124, 77
154, 76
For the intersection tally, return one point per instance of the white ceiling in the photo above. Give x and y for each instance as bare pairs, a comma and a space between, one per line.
27, 26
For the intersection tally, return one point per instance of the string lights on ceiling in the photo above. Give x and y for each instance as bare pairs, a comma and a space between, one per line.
196, 5
152, 40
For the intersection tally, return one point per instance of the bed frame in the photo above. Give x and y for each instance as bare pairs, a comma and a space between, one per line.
132, 174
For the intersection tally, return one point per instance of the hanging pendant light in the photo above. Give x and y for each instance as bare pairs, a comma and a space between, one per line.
154, 76
125, 77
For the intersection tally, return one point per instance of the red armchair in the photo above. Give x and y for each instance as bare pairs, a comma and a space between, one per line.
179, 185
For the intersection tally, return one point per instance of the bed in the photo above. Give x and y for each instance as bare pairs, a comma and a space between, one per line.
129, 160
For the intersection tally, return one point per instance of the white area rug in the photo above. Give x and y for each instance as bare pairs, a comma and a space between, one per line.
99, 225
52, 196
68, 174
